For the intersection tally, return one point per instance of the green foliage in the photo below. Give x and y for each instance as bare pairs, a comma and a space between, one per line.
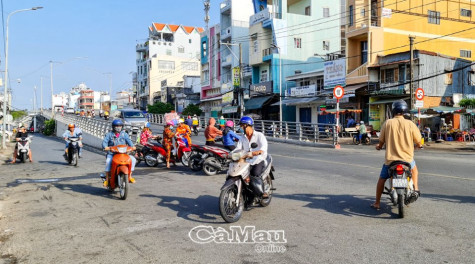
49, 127
467, 102
18, 114
192, 109
160, 108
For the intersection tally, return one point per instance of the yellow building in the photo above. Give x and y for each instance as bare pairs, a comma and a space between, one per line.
377, 28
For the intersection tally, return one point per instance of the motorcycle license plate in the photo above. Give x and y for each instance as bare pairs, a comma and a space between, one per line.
399, 183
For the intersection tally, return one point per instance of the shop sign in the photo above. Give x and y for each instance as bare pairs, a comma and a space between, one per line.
236, 77
306, 90
230, 109
334, 73
227, 98
261, 88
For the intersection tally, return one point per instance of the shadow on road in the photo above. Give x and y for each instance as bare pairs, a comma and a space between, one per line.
348, 205
54, 162
95, 190
449, 198
17, 182
205, 207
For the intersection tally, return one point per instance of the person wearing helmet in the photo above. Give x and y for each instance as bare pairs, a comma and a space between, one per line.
211, 132
22, 133
259, 154
168, 140
222, 123
116, 137
146, 134
229, 137
184, 130
189, 122
72, 132
399, 135
362, 132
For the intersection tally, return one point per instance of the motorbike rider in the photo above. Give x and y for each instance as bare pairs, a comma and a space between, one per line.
362, 131
22, 133
211, 132
229, 137
116, 137
222, 123
189, 122
72, 131
259, 154
184, 130
168, 140
195, 122
399, 135
146, 135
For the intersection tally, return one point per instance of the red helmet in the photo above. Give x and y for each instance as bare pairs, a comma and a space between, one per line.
71, 126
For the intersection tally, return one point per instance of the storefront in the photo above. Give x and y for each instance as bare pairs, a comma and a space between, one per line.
261, 100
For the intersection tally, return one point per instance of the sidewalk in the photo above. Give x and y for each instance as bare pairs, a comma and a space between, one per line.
443, 146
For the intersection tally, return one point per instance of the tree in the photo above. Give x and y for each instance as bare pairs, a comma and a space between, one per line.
18, 114
192, 109
160, 108
465, 102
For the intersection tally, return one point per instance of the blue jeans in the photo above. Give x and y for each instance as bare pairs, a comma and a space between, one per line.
80, 149
109, 162
385, 170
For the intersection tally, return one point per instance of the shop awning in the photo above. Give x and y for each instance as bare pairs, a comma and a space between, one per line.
350, 89
387, 101
333, 111
296, 101
440, 110
256, 102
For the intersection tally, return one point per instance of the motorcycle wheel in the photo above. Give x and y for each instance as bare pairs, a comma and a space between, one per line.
196, 133
265, 202
24, 156
208, 169
74, 160
194, 162
123, 186
367, 141
400, 204
185, 158
150, 163
229, 210
355, 141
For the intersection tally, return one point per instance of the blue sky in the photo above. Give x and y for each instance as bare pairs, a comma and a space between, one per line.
104, 31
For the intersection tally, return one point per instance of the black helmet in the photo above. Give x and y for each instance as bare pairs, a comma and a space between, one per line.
399, 107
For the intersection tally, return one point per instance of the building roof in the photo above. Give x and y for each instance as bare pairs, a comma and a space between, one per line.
174, 28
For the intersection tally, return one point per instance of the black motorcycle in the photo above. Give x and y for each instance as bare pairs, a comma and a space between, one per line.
73, 151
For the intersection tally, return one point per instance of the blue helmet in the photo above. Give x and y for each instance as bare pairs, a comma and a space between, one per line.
246, 120
117, 122
147, 124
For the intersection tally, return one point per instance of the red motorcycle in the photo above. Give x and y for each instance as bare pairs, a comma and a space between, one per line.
210, 159
158, 155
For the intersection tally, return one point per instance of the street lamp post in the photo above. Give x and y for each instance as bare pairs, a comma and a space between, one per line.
6, 73
280, 82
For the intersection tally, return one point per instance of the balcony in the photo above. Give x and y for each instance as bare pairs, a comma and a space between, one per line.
226, 61
267, 54
225, 7
141, 47
226, 33
358, 75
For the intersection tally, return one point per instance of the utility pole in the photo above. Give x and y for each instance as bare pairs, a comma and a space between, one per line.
411, 107
241, 89
41, 94
51, 83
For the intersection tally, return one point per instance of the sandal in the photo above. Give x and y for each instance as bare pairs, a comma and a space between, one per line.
375, 207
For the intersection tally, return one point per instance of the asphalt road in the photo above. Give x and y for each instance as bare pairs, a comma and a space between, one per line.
54, 213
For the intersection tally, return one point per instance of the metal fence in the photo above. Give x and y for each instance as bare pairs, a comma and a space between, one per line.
94, 127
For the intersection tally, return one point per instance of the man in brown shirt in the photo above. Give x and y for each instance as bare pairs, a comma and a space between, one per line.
399, 135
211, 132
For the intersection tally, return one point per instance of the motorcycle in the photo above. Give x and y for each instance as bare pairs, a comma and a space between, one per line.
73, 151
23, 149
365, 139
121, 169
196, 130
400, 187
239, 191
157, 154
211, 160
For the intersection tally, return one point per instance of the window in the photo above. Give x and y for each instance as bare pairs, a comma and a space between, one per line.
169, 52
189, 41
434, 17
307, 11
363, 12
326, 12
364, 52
351, 17
189, 66
255, 43
298, 43
390, 75
466, 53
166, 65
263, 76
181, 50
204, 47
465, 12
305, 83
326, 45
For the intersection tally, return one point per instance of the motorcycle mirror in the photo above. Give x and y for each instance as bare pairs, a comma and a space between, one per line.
254, 145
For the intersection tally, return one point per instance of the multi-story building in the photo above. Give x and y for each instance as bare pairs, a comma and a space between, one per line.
288, 38
211, 71
376, 29
170, 52
86, 99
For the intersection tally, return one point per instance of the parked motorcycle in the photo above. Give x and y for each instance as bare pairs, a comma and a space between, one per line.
240, 191
212, 160
400, 187
23, 149
365, 139
121, 169
73, 151
157, 153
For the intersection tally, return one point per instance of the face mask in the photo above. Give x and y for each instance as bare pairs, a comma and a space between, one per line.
117, 129
171, 127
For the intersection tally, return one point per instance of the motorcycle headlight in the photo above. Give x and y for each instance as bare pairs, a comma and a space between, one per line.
122, 150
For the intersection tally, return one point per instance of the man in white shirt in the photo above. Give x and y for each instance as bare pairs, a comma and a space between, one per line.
259, 153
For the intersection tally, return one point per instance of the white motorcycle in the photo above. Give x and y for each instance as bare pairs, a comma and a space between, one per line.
241, 190
23, 148
400, 187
